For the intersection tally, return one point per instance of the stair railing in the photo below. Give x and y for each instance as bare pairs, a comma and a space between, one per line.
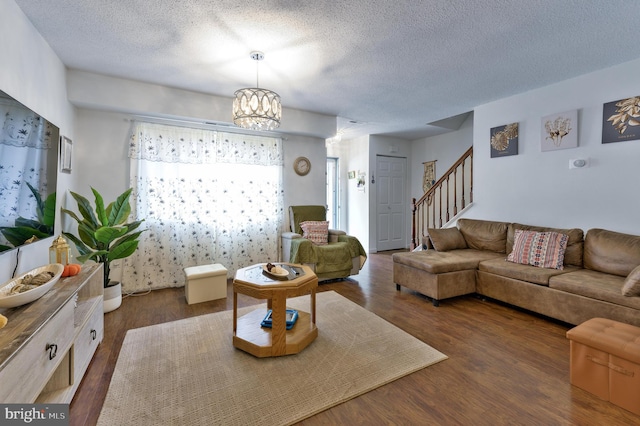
451, 193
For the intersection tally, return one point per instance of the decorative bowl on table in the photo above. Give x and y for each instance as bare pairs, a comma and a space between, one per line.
29, 286
275, 270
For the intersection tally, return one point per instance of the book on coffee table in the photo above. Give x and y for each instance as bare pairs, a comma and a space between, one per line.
291, 318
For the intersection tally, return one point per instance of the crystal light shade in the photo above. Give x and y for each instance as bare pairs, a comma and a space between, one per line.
257, 109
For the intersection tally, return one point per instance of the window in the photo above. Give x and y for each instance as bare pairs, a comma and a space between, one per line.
333, 193
206, 197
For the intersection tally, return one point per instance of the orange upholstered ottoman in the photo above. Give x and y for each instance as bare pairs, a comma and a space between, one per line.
605, 361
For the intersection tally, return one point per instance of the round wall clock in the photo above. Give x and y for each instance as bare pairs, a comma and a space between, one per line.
302, 165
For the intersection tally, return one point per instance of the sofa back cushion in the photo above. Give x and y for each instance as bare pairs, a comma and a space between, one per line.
445, 239
575, 244
484, 234
611, 252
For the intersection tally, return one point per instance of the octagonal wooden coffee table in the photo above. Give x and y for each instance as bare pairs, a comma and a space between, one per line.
262, 342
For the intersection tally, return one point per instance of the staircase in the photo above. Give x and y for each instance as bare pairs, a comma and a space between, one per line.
444, 200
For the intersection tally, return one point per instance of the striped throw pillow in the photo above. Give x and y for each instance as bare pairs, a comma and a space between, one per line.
316, 231
541, 249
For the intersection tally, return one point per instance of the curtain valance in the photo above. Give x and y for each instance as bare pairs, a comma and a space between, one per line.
171, 144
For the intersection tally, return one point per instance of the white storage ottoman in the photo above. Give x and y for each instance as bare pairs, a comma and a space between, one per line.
205, 282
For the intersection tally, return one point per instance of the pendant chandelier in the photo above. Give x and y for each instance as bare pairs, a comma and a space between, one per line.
255, 108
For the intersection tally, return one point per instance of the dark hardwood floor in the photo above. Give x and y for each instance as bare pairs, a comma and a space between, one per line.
505, 366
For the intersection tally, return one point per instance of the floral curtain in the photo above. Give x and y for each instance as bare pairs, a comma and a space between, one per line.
25, 139
206, 197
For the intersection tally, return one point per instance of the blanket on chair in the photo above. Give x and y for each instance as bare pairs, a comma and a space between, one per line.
332, 260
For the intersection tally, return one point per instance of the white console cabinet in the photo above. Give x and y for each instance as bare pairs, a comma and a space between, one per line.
47, 345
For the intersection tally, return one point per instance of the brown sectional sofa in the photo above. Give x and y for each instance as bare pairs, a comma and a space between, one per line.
471, 258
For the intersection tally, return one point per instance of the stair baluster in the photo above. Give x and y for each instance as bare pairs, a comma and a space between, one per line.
424, 210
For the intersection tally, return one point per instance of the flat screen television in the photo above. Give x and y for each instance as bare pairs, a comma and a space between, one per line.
29, 149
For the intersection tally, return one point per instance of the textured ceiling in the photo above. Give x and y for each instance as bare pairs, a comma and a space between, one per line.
390, 66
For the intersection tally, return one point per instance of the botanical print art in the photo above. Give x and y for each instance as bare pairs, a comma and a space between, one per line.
621, 120
560, 131
504, 140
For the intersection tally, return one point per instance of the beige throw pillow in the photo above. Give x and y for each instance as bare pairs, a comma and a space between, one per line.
445, 239
316, 231
631, 285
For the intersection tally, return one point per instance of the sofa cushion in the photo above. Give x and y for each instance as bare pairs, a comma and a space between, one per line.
484, 234
594, 285
517, 271
631, 286
335, 234
438, 262
573, 253
316, 231
540, 249
611, 252
445, 239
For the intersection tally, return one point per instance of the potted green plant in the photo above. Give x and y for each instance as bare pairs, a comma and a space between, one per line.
103, 236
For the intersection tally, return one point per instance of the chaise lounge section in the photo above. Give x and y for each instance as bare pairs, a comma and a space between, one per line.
472, 258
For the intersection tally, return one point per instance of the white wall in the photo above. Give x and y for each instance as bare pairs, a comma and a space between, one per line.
537, 187
446, 149
102, 154
33, 74
310, 189
353, 156
95, 91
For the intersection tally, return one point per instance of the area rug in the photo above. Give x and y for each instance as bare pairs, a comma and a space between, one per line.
187, 372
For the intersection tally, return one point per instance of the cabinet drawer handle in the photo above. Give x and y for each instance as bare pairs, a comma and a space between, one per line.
53, 350
94, 334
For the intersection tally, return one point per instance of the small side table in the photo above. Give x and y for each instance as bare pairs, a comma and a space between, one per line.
276, 341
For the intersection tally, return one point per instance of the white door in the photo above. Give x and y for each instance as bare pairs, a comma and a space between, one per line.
390, 180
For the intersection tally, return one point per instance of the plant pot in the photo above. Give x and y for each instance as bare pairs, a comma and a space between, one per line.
112, 297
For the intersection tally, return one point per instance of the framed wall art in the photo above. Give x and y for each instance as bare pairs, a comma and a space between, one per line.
504, 140
66, 149
429, 177
621, 120
559, 131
